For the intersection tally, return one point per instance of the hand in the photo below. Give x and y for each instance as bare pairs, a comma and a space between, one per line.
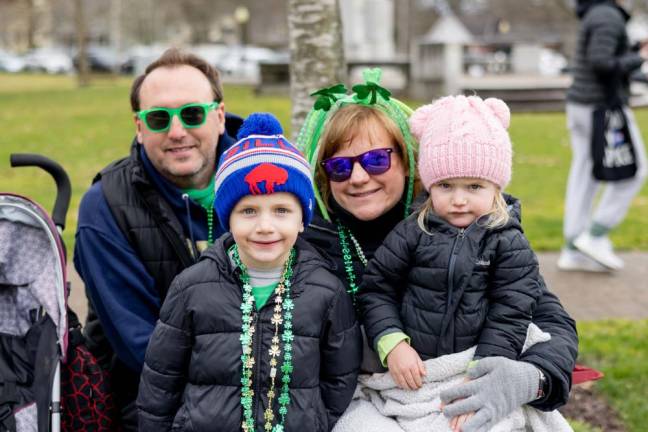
497, 386
406, 367
456, 423
643, 51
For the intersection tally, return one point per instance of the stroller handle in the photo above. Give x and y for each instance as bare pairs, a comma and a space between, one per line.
63, 188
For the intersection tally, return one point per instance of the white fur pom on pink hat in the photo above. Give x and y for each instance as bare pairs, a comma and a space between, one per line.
463, 136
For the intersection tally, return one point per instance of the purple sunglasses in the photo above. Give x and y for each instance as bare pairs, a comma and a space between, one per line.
374, 162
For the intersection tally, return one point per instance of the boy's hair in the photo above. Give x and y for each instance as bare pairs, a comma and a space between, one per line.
174, 57
498, 216
262, 162
344, 125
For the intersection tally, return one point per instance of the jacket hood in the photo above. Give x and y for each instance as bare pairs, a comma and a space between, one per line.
583, 6
192, 220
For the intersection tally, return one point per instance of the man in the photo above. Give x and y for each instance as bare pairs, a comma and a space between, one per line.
148, 216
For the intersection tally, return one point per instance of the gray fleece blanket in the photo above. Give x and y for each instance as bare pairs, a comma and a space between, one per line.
379, 405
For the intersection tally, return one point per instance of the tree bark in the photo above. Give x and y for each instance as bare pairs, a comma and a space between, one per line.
316, 50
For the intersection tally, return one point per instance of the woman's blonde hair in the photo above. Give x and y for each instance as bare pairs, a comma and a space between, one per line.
343, 127
498, 216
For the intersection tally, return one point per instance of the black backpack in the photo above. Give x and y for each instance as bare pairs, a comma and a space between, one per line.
87, 403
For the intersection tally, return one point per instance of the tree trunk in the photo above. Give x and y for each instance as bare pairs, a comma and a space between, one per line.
82, 58
31, 24
316, 50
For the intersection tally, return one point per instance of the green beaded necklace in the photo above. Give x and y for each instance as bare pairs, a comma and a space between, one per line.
285, 305
205, 198
344, 234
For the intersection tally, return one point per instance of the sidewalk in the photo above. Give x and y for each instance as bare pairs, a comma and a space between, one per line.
586, 296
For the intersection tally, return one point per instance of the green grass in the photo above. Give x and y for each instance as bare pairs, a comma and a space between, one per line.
84, 129
579, 426
620, 349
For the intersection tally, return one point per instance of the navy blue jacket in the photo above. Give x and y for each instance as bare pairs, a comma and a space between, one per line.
120, 289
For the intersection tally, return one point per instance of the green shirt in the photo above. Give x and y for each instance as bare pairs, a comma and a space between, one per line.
261, 294
204, 197
388, 342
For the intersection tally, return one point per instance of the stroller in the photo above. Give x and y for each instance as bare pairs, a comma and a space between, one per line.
33, 310
49, 380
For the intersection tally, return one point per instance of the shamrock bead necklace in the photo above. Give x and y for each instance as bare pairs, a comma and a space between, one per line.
285, 305
344, 234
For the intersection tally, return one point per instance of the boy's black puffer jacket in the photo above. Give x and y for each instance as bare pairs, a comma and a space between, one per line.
191, 379
453, 289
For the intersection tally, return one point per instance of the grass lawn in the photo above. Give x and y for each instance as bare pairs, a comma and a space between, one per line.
620, 349
84, 129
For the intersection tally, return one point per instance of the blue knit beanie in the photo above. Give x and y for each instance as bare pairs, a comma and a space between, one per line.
262, 162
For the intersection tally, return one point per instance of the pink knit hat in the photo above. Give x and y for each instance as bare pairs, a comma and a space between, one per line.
463, 136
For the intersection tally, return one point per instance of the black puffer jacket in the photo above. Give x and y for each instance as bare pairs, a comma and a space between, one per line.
555, 357
192, 372
452, 289
604, 57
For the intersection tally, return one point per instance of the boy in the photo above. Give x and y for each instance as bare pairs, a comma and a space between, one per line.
258, 336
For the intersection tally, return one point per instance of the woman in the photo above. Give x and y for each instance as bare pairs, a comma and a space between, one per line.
363, 194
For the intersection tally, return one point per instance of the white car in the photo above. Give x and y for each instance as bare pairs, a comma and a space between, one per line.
48, 60
10, 62
241, 63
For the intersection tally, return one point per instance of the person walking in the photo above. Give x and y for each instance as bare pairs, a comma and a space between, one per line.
604, 63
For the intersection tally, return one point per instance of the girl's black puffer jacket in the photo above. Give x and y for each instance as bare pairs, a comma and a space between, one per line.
453, 288
191, 379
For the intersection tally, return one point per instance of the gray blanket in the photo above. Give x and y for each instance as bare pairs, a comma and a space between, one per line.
379, 405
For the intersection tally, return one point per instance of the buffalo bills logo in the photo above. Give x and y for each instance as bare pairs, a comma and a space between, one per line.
271, 174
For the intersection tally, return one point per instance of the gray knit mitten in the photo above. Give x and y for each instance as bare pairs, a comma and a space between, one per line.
497, 387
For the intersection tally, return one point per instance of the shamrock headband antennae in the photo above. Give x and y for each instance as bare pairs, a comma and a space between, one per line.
331, 99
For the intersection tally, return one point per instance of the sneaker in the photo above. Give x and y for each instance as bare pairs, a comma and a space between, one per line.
600, 249
574, 260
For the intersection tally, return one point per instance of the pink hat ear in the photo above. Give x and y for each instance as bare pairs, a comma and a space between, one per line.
501, 111
420, 120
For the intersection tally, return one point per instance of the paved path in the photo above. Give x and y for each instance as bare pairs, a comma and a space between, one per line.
586, 296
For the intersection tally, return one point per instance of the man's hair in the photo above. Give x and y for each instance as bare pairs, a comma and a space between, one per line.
174, 57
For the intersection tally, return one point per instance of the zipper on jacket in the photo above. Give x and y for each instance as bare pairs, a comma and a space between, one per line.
194, 249
458, 242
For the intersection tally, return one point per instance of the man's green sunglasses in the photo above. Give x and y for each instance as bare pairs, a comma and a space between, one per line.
192, 115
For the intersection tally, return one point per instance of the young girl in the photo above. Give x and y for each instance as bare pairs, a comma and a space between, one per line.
459, 272
259, 335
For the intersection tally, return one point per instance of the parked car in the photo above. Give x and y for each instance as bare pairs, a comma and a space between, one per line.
241, 63
10, 62
138, 57
50, 60
101, 59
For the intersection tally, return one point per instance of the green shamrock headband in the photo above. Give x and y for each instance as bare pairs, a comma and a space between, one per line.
331, 99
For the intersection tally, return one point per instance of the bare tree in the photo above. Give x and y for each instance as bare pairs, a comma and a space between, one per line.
317, 53
32, 22
81, 37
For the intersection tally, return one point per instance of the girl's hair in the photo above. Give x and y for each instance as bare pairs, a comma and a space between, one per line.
498, 216
343, 126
